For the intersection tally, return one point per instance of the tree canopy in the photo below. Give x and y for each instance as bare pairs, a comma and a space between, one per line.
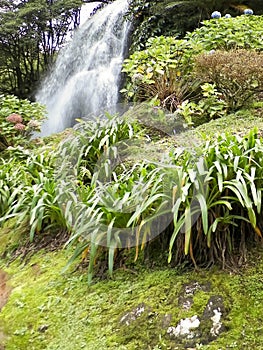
31, 33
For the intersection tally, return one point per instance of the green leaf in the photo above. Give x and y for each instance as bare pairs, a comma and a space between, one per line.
187, 229
204, 211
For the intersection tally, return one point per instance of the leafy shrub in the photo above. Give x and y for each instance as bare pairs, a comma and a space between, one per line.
210, 106
91, 139
242, 32
34, 184
160, 71
11, 177
163, 70
211, 206
119, 212
237, 75
19, 119
29, 192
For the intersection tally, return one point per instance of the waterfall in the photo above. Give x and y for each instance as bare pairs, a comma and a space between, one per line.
86, 77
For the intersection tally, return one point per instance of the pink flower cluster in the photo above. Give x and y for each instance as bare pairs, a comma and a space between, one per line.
19, 126
14, 118
17, 120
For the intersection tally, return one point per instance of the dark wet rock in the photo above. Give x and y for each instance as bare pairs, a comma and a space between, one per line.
202, 328
185, 303
185, 299
132, 316
185, 331
43, 328
213, 316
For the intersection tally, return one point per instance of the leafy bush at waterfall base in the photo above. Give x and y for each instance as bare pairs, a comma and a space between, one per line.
160, 71
18, 120
214, 204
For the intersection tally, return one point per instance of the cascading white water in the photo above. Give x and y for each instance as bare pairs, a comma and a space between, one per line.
86, 76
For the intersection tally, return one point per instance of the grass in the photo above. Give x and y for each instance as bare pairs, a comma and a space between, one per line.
240, 123
48, 310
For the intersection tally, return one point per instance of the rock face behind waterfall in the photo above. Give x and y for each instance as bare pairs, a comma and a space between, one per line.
86, 76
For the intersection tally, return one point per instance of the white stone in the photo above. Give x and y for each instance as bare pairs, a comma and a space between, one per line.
185, 327
139, 311
216, 323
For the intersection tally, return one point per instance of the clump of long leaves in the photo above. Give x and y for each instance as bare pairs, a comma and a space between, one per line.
91, 140
210, 201
219, 205
10, 184
121, 213
29, 192
32, 188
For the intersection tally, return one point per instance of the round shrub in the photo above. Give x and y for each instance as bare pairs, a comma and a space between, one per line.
237, 75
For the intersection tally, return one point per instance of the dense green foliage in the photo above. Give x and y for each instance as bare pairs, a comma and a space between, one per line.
241, 32
31, 182
168, 69
29, 191
104, 198
162, 70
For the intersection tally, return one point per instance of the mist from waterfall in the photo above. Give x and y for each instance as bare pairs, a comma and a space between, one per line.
86, 77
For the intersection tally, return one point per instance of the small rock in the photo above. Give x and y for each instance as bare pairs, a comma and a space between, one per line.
43, 328
185, 299
215, 302
131, 316
213, 312
185, 328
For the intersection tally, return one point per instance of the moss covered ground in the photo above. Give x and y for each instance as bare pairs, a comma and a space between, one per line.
51, 310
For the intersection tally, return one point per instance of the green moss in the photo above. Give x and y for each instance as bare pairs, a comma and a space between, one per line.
48, 310
239, 123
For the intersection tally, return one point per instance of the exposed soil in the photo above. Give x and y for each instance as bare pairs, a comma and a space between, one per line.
48, 241
5, 291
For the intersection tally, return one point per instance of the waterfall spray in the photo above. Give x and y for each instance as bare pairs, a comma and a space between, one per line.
86, 77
